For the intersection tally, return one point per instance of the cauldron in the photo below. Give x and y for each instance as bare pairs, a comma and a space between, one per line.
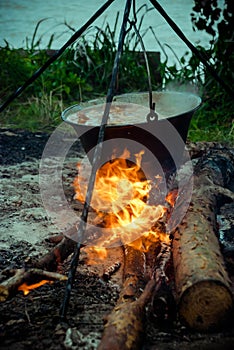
162, 139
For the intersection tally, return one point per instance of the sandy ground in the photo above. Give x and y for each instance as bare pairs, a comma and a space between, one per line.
23, 216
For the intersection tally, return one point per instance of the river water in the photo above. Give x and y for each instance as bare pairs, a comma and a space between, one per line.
18, 19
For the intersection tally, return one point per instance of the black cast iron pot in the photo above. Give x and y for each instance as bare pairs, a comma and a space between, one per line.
162, 140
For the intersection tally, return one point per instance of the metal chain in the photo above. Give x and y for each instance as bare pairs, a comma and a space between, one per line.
152, 116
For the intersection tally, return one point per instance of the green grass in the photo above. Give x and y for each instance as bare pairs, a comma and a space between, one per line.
202, 129
214, 121
34, 114
83, 72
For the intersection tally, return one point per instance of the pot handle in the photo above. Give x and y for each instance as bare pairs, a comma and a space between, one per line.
152, 116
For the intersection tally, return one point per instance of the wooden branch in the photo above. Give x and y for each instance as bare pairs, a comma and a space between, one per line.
57, 255
125, 327
11, 285
202, 283
43, 269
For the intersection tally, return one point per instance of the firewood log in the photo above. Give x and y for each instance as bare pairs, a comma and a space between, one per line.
124, 327
202, 283
163, 307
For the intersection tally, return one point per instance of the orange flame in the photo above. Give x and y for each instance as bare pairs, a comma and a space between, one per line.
119, 184
95, 254
120, 199
27, 288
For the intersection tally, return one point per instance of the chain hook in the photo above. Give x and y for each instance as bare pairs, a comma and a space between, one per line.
152, 116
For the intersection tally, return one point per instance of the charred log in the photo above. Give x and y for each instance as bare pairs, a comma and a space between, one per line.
110, 271
202, 282
57, 255
201, 149
163, 307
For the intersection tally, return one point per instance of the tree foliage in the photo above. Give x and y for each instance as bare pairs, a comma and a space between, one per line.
216, 18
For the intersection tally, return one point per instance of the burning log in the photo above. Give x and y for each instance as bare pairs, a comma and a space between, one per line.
22, 277
125, 325
110, 271
202, 283
41, 270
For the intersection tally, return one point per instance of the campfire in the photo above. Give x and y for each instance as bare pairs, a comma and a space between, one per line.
122, 202
162, 276
159, 233
129, 218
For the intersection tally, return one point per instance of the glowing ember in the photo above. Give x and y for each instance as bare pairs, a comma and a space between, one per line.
171, 197
120, 198
95, 254
27, 288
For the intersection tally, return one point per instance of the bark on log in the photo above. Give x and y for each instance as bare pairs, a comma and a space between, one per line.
202, 283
